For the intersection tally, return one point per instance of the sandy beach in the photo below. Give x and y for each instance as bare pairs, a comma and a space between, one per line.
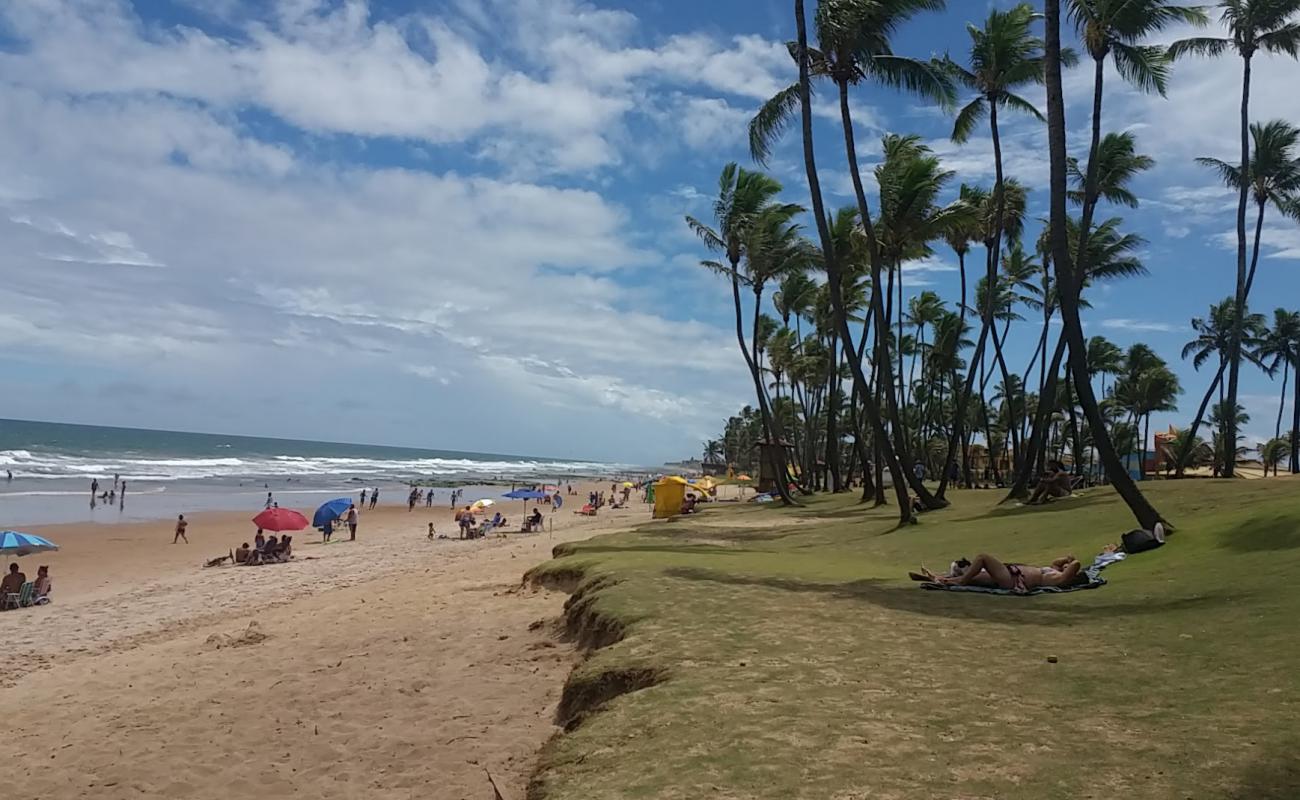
392, 666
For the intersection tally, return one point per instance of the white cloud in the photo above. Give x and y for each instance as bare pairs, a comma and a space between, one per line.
1120, 324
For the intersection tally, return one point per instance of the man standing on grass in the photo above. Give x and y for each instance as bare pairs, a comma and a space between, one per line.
181, 525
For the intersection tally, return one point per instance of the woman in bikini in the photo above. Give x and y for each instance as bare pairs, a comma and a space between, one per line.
986, 570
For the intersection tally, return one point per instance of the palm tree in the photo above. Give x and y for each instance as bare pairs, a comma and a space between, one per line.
1104, 358
1274, 176
1069, 283
1214, 337
854, 38
1280, 346
1149, 388
1253, 26
1004, 56
746, 204
1272, 452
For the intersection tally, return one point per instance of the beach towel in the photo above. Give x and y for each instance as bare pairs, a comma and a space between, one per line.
1095, 581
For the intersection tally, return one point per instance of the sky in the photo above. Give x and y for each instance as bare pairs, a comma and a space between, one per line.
459, 224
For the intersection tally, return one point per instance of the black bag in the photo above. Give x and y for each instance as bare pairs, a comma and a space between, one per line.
1139, 541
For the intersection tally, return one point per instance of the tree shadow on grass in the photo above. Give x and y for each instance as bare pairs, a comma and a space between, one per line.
1031, 610
1263, 533
683, 549
1275, 779
1065, 504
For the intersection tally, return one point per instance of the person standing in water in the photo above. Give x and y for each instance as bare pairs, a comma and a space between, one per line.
270, 501
363, 497
121, 497
181, 525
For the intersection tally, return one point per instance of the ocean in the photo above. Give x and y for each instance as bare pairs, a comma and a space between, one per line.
170, 472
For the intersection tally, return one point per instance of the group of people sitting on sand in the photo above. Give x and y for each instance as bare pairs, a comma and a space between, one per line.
265, 550
16, 592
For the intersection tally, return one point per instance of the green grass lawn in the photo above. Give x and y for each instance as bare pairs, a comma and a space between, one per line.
783, 653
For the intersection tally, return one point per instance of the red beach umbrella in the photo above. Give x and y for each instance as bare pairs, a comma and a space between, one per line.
280, 519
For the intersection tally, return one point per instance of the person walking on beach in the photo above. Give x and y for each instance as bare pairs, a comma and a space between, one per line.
116, 477
121, 497
374, 497
363, 497
428, 499
181, 525
94, 487
352, 523
327, 530
270, 501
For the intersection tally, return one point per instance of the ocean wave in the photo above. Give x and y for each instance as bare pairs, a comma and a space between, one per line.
40, 493
55, 465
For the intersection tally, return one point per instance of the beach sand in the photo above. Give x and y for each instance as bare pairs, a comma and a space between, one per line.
392, 666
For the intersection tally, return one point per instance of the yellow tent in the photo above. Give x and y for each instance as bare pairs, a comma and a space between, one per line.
670, 491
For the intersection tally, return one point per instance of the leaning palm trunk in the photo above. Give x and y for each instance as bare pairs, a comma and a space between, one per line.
836, 289
1281, 406
1185, 451
770, 423
1295, 424
1068, 279
882, 361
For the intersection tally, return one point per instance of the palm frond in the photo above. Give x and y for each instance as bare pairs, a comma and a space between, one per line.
1021, 104
916, 76
1145, 66
769, 123
1283, 40
1230, 174
707, 235
1206, 46
967, 119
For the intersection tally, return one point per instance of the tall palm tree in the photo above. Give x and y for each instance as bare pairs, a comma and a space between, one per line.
1063, 262
1214, 334
1004, 56
832, 265
746, 203
855, 45
1280, 347
1274, 176
1253, 25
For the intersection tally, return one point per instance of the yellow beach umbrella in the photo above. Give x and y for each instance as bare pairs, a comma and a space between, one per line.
479, 505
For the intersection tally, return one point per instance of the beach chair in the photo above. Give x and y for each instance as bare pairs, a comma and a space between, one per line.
19, 599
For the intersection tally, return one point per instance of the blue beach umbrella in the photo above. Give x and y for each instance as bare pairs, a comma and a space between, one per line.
21, 544
525, 494
330, 510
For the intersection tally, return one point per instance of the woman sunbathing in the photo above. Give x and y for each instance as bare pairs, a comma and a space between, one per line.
986, 570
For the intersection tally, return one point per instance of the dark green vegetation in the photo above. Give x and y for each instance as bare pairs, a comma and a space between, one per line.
835, 396
782, 653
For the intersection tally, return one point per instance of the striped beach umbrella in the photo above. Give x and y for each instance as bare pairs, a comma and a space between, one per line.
21, 544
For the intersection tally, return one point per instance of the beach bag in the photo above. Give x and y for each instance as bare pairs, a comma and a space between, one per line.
1139, 541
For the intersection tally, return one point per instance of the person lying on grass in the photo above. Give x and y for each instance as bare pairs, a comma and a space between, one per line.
1054, 483
988, 571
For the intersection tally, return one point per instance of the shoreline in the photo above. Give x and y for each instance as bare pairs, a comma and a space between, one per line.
392, 663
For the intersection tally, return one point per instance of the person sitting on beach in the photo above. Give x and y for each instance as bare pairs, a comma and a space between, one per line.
498, 521
13, 582
259, 541
42, 587
271, 547
285, 550
241, 553
534, 521
988, 571
1054, 483
688, 504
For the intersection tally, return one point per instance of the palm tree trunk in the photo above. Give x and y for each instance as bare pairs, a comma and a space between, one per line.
1185, 451
1239, 305
832, 266
1146, 514
832, 432
1038, 435
1295, 421
899, 452
1254, 256
1281, 407
1012, 433
955, 438
769, 423
992, 257
1075, 441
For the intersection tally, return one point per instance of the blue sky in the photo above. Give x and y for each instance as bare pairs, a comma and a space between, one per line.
459, 224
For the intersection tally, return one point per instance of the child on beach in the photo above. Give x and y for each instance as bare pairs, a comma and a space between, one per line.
181, 525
